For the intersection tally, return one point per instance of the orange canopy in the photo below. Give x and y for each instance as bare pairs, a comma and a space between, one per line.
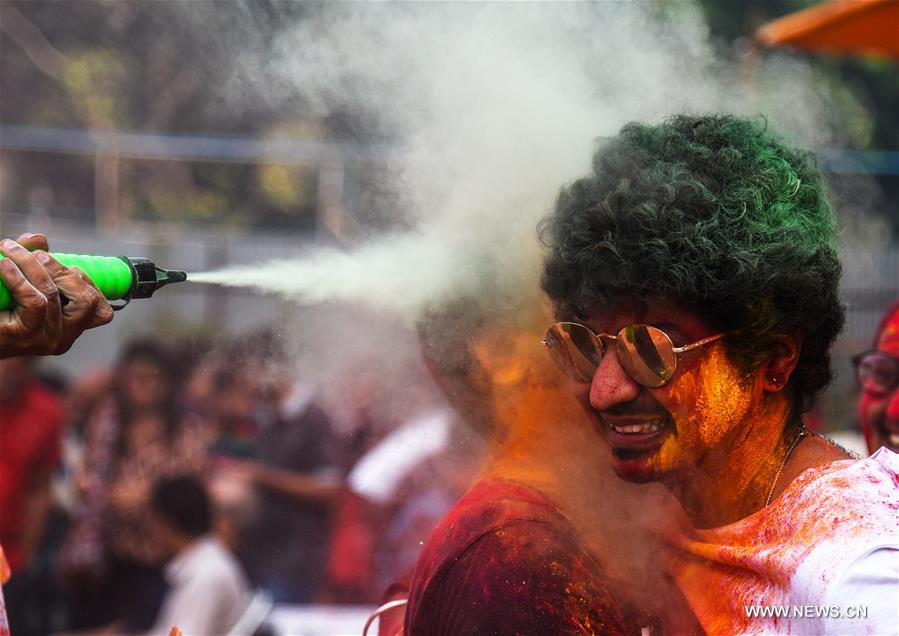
840, 26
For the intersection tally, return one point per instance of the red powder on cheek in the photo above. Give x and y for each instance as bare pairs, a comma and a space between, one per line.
873, 407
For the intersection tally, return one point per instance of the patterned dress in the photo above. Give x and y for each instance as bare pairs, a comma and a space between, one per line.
144, 455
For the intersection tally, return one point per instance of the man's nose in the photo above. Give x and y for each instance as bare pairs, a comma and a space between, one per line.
611, 385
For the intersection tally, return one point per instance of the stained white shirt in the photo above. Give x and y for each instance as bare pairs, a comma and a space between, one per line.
824, 555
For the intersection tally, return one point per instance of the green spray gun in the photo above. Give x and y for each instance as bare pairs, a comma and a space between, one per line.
117, 277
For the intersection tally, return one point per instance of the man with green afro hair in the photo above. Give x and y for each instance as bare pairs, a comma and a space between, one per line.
695, 281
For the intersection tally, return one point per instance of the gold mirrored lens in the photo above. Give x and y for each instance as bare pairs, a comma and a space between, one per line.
646, 354
575, 350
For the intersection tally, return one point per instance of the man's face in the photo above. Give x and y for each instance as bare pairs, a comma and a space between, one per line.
145, 383
236, 402
668, 433
880, 413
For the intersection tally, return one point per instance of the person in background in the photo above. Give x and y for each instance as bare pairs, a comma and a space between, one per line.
135, 434
40, 323
511, 557
294, 483
208, 592
30, 433
878, 375
232, 414
412, 477
350, 572
272, 459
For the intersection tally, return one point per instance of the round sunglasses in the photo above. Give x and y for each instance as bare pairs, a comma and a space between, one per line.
877, 371
646, 353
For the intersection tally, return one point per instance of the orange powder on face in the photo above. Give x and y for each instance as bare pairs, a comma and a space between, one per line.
707, 400
725, 399
725, 453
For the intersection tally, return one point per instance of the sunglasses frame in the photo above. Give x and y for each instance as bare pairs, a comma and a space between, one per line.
600, 337
856, 362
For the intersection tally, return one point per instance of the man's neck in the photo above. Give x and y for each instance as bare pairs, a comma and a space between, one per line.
733, 483
182, 544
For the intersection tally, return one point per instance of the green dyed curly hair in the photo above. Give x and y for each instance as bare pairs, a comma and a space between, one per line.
716, 214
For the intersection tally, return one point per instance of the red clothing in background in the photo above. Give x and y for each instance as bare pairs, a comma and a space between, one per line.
505, 560
30, 429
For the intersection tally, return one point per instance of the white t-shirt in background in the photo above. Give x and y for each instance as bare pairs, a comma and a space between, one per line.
208, 594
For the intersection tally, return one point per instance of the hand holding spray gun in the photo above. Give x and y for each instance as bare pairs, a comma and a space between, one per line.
48, 300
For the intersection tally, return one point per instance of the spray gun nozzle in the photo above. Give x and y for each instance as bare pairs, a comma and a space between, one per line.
175, 276
148, 277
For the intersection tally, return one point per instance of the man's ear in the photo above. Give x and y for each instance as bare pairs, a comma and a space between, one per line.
781, 362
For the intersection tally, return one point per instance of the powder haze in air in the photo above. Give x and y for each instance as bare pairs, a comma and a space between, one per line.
489, 109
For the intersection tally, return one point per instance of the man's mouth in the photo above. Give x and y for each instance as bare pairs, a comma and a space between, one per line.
639, 433
642, 428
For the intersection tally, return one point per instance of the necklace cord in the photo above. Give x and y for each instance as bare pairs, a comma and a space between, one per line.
799, 436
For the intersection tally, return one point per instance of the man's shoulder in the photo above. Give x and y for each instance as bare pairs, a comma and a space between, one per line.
888, 460
837, 512
486, 507
506, 555
855, 560
489, 508
210, 563
860, 492
846, 510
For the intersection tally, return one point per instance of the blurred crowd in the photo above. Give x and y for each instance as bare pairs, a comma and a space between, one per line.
118, 484
201, 485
